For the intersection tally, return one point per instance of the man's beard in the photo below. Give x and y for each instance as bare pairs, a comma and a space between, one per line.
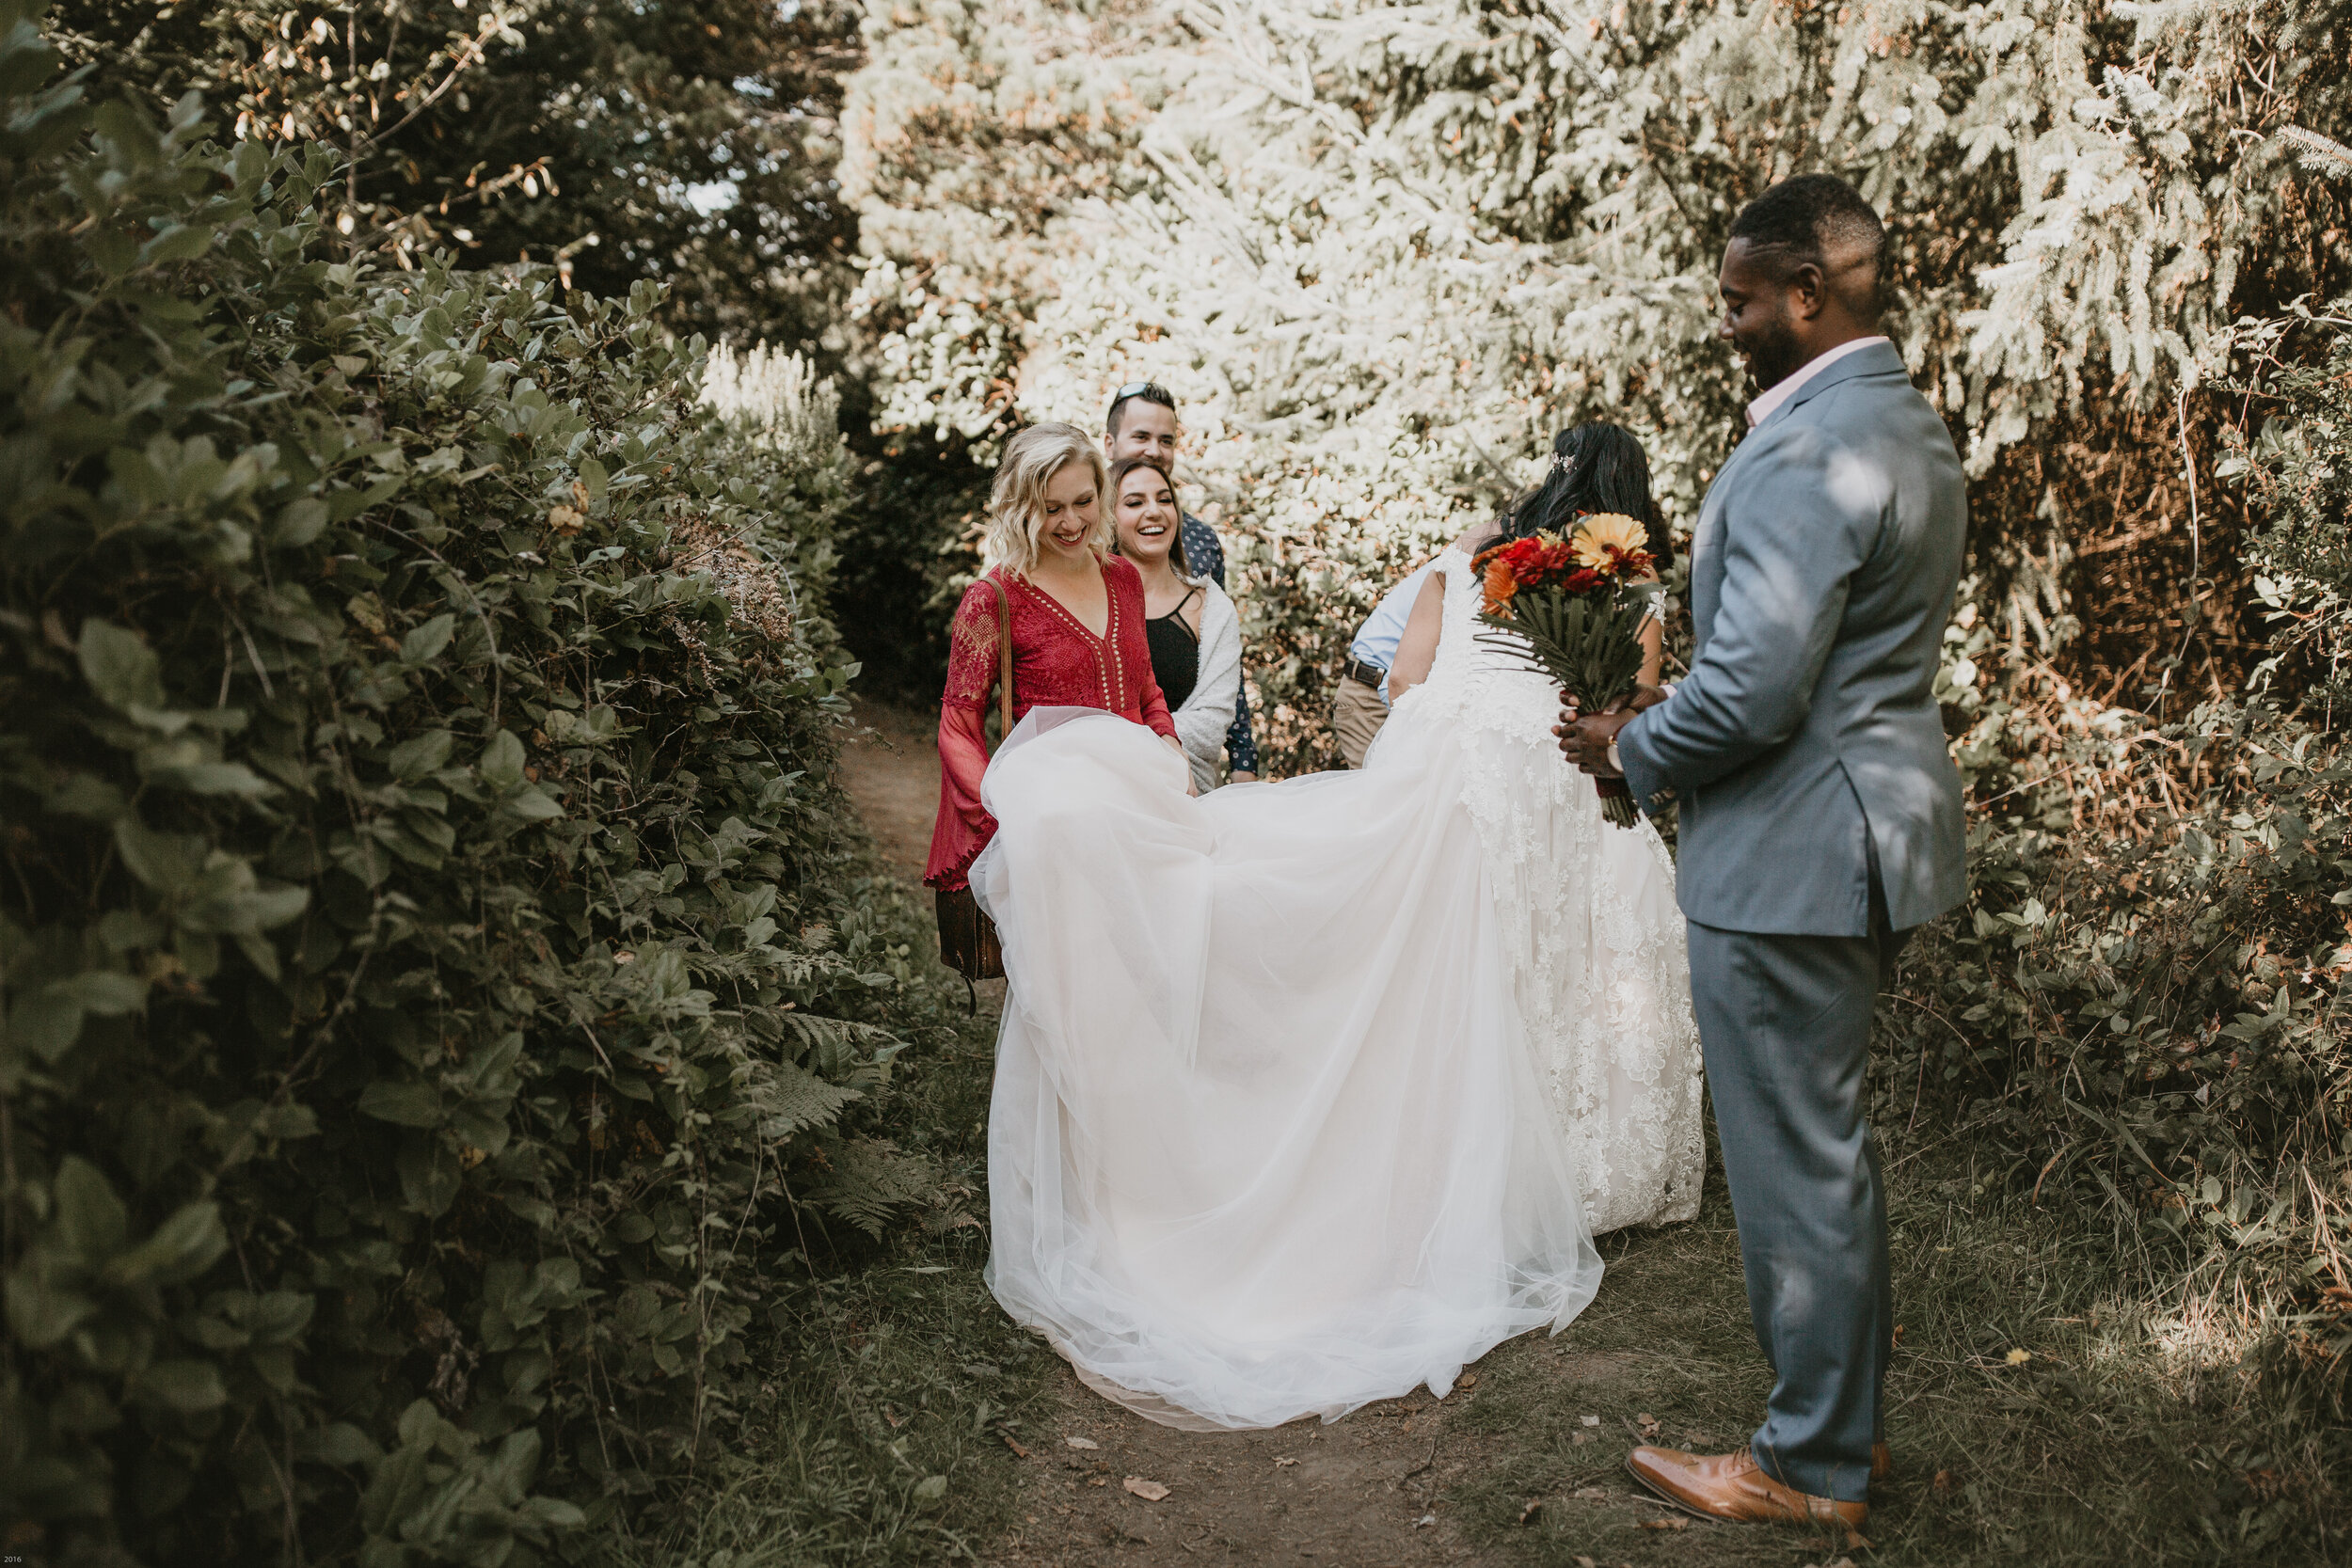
1773, 355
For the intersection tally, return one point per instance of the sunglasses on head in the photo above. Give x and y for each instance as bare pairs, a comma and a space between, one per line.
1137, 389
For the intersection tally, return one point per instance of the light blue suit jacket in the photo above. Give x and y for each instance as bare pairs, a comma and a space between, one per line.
1807, 741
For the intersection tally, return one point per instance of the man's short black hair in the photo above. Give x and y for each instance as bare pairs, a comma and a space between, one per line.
1817, 218
1150, 391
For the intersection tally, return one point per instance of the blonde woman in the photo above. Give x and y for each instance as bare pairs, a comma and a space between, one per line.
1075, 613
1194, 633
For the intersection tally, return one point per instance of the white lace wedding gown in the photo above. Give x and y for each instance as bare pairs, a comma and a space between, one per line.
1310, 1093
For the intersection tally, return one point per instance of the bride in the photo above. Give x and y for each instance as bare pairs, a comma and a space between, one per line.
1310, 1093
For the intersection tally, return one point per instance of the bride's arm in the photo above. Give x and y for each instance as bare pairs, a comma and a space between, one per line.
1416, 649
1653, 650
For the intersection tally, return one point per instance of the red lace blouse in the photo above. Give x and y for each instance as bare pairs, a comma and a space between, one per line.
1056, 662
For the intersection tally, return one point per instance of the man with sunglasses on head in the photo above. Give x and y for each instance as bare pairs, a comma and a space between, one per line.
1142, 424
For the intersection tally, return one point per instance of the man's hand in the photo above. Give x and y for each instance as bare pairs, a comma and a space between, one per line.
1585, 742
1241, 775
1585, 738
1643, 696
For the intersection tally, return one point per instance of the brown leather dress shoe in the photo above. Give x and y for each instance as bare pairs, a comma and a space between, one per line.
1733, 1486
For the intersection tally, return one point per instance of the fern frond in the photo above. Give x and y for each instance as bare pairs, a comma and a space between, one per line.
872, 1177
816, 1029
788, 1098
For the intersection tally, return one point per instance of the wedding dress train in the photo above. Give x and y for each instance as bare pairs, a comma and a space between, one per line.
1304, 1090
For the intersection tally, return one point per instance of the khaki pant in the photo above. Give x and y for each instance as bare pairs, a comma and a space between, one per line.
1356, 718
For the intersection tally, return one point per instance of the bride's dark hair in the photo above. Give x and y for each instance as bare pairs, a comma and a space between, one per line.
1594, 467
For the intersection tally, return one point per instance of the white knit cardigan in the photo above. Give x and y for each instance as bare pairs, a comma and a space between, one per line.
1207, 715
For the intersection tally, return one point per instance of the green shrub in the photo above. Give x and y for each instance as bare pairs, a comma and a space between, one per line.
2144, 999
425, 995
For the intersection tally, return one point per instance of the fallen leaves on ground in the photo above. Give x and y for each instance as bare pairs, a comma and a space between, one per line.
1082, 1442
1592, 1493
1588, 1420
1014, 1444
2018, 1357
1150, 1491
1666, 1524
1534, 1506
1284, 1461
1645, 1425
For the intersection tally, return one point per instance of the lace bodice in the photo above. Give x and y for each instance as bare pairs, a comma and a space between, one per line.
1600, 965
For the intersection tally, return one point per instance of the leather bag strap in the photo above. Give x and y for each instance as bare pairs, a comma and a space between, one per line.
1004, 662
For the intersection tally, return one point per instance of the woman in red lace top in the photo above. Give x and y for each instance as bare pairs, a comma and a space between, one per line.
1077, 628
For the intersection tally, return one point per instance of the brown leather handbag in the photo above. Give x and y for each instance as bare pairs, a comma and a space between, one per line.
967, 938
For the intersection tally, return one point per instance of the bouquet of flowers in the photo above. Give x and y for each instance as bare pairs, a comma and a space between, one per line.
1573, 608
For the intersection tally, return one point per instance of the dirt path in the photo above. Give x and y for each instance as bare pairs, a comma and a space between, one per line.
891, 769
1533, 1440
1365, 1491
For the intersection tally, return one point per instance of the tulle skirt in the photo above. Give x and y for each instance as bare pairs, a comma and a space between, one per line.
1268, 1139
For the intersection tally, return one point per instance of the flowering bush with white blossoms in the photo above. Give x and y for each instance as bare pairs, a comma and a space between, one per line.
1381, 254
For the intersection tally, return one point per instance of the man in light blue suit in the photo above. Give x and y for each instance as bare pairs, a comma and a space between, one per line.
1821, 819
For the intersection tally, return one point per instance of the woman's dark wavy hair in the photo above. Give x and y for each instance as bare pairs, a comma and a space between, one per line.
1594, 467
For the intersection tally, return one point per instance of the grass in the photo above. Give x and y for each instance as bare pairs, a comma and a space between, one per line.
2134, 1431
877, 1436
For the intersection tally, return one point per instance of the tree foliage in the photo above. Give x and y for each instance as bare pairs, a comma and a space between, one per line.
433, 1013
689, 145
1382, 252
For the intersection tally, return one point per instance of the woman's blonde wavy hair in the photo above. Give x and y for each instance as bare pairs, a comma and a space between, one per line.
1016, 502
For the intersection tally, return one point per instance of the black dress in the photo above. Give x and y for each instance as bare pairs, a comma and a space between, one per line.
1175, 653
